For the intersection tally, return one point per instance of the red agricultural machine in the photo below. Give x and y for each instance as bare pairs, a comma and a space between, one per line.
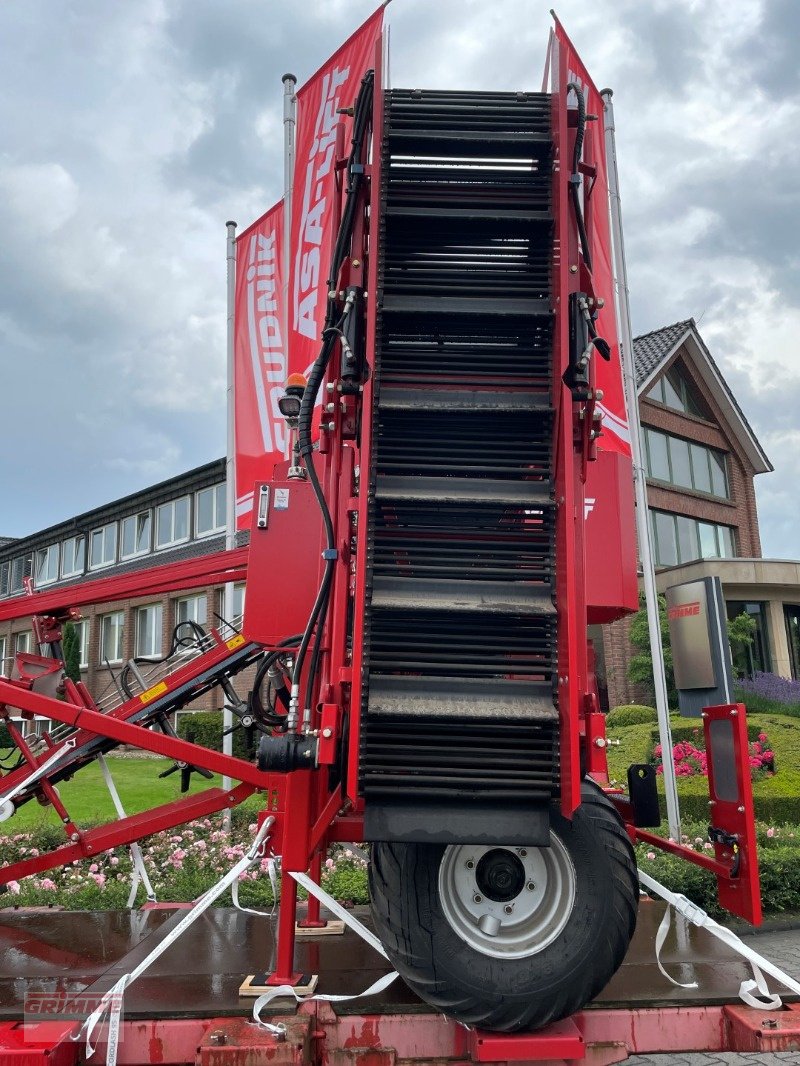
416, 585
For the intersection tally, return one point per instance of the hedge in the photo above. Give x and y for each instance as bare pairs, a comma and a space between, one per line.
630, 714
205, 728
776, 799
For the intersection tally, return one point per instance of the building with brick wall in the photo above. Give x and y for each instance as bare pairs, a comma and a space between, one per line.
701, 455
177, 519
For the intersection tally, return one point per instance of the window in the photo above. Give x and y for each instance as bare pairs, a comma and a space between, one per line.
238, 601
192, 609
136, 535
46, 565
238, 604
22, 642
5, 578
684, 463
112, 633
172, 522
755, 656
209, 510
3, 656
678, 539
148, 631
675, 390
21, 567
666, 538
82, 633
791, 613
103, 546
73, 556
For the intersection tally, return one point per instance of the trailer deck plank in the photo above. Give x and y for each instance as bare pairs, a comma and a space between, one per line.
200, 975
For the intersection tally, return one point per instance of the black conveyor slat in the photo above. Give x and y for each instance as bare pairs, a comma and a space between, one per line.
460, 639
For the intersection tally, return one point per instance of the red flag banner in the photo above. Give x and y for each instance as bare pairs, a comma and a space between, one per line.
335, 85
259, 357
608, 376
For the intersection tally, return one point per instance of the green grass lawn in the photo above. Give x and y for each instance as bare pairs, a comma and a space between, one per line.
87, 799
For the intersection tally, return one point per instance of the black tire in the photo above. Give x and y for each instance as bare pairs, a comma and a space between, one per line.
509, 994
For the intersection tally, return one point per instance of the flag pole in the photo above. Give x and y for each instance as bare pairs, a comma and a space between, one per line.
640, 484
230, 478
289, 123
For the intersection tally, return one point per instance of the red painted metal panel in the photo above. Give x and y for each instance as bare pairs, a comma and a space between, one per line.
561, 1040
757, 1030
612, 588
38, 1044
731, 808
284, 562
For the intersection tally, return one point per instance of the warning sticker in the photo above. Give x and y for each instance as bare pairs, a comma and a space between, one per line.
151, 693
281, 499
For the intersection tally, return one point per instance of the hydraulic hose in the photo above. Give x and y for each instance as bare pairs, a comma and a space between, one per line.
332, 328
575, 177
255, 701
199, 635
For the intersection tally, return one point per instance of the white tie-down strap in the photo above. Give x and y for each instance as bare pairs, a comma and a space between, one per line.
111, 1002
272, 874
6, 806
697, 916
139, 871
282, 991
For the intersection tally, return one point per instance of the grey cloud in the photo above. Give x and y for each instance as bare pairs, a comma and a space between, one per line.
166, 115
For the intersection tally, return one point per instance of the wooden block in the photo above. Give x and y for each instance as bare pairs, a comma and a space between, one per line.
256, 985
332, 927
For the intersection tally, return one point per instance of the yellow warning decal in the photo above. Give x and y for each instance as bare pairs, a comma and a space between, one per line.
151, 693
235, 642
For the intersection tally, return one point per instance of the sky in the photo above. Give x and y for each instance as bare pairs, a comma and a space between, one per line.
131, 132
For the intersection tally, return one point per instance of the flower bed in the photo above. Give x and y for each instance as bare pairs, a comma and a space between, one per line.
689, 757
182, 864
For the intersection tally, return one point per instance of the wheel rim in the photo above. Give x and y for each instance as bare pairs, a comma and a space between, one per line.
507, 902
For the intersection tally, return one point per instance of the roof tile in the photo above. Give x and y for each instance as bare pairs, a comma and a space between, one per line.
651, 349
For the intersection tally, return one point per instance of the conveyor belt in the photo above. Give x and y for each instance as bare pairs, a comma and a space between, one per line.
460, 624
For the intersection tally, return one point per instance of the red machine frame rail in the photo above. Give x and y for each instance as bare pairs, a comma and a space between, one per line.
215, 569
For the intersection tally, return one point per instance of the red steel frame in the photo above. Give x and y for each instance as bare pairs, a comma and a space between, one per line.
308, 813
317, 1035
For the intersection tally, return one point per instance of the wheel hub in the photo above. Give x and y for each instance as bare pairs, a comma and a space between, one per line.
507, 902
500, 875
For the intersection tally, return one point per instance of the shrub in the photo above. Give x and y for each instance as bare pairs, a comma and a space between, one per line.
630, 714
776, 799
205, 728
777, 689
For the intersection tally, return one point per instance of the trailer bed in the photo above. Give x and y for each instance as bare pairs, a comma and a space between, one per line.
191, 995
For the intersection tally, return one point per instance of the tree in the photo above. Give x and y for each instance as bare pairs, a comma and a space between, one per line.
71, 643
640, 668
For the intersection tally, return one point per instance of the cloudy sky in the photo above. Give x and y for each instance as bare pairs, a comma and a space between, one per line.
130, 132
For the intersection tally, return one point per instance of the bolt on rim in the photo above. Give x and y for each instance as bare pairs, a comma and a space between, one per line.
507, 902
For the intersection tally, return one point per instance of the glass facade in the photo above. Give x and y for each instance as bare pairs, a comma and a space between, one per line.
685, 464
755, 656
791, 614
679, 539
